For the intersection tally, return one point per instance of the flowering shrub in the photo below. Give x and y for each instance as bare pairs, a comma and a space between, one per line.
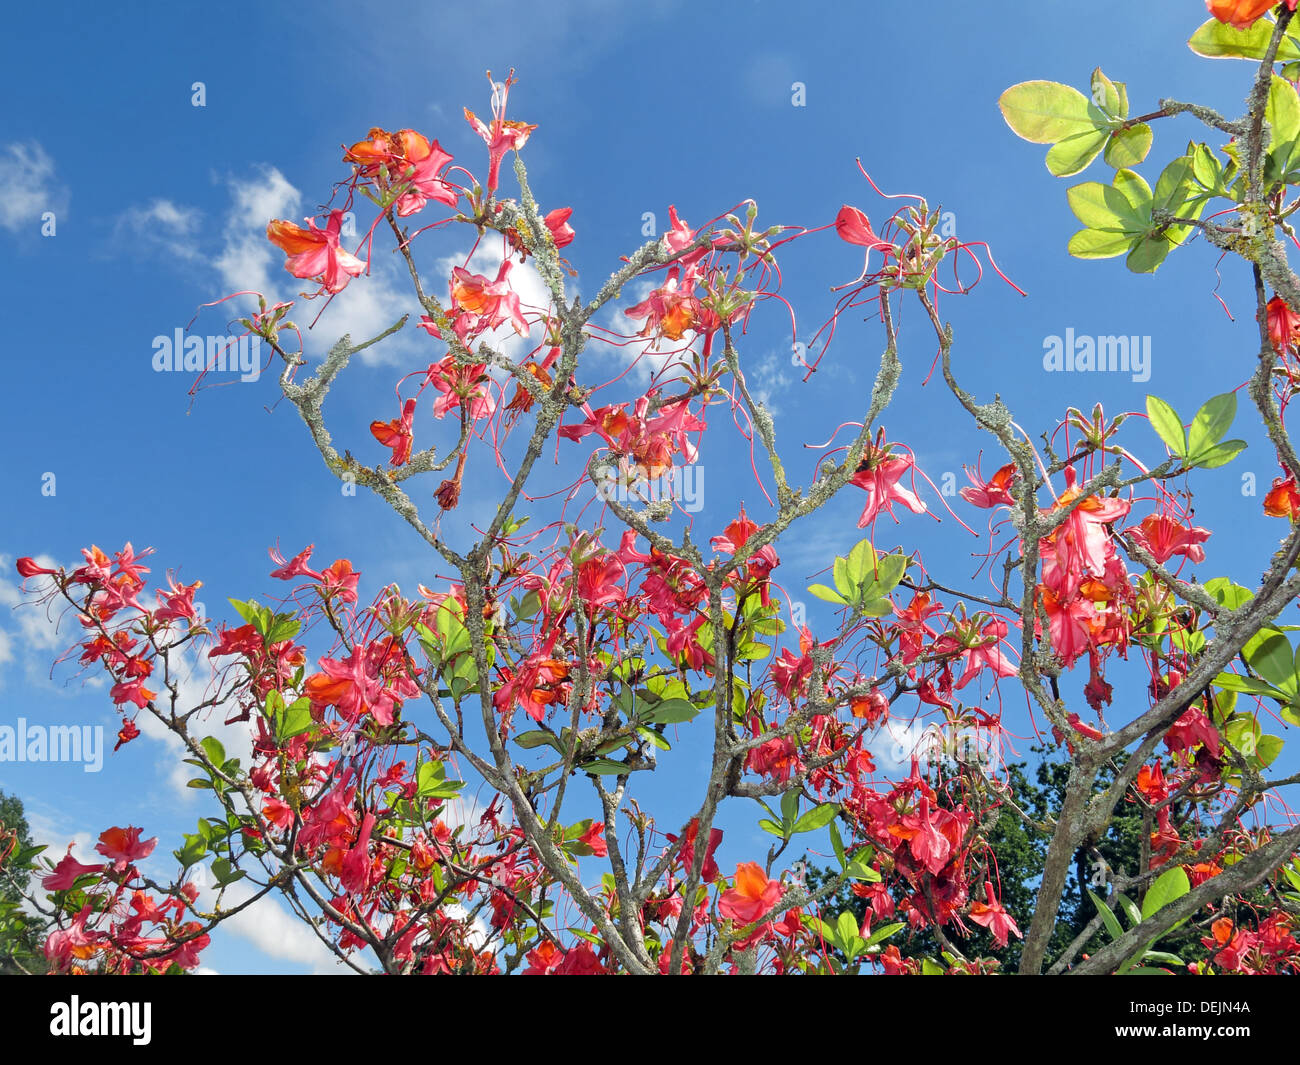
562, 663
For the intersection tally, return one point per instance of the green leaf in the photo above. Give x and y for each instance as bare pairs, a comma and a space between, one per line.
538, 738
1274, 660
1098, 244
789, 806
817, 817
768, 825
1161, 955
826, 594
1108, 95
861, 561
604, 767
1148, 253
1168, 426
884, 932
1221, 455
1226, 593
1108, 917
1169, 886
1267, 748
1106, 207
846, 928
837, 842
1128, 147
1045, 112
1282, 113
213, 749
1218, 40
1248, 686
1130, 908
1070, 156
672, 712
1211, 422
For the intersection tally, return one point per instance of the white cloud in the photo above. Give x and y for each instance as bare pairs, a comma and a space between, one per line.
30, 187
163, 224
247, 258
275, 931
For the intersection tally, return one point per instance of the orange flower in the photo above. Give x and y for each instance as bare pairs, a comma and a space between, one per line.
752, 897
1283, 500
1240, 14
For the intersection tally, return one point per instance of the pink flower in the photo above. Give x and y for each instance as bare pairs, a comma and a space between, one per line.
66, 872
879, 474
425, 160
482, 304
992, 916
296, 567
557, 222
315, 253
996, 491
598, 581
1164, 536
123, 846
854, 227
502, 135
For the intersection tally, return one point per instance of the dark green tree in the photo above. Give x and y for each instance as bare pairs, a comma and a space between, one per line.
22, 932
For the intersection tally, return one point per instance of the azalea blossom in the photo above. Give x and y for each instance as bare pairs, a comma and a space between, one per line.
996, 491
1164, 536
396, 434
123, 846
992, 916
502, 134
1241, 14
853, 226
1283, 499
878, 474
752, 896
315, 253
1283, 325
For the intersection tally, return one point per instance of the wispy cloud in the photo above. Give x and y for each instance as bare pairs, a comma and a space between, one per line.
161, 224
30, 186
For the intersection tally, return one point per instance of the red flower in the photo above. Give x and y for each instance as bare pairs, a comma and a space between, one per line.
1283, 325
503, 135
396, 434
879, 474
27, 567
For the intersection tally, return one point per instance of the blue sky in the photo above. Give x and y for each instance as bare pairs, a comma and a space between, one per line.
160, 206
